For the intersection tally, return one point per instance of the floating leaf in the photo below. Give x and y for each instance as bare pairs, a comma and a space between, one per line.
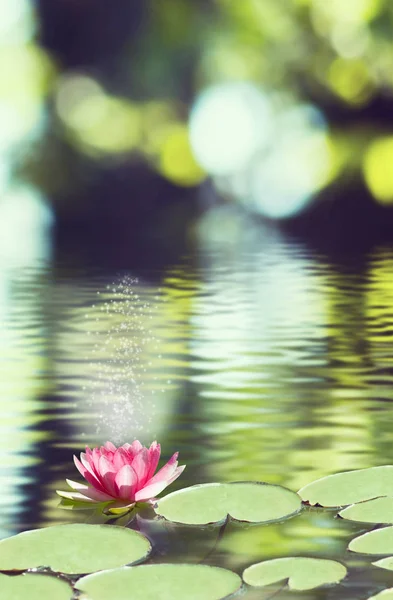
34, 587
68, 504
244, 501
163, 581
350, 487
384, 595
385, 563
379, 541
378, 510
77, 548
302, 573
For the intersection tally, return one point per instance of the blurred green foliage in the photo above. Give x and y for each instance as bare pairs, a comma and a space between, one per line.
119, 90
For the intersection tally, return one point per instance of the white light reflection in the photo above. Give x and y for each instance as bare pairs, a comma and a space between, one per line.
261, 355
260, 314
229, 124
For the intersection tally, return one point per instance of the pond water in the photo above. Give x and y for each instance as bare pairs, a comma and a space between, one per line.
255, 358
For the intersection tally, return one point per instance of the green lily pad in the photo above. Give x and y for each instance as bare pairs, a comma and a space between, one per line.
34, 587
384, 595
77, 548
379, 541
385, 563
378, 510
350, 487
302, 573
253, 502
163, 581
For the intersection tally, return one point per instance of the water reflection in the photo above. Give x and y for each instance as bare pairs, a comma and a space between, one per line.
23, 346
255, 359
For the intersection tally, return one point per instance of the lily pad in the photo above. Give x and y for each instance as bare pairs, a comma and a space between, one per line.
253, 502
163, 581
379, 541
302, 573
378, 510
350, 487
384, 595
34, 587
385, 563
77, 548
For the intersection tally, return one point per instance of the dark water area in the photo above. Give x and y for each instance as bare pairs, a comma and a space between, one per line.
254, 356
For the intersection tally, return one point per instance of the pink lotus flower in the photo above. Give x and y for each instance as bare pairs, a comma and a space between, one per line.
123, 476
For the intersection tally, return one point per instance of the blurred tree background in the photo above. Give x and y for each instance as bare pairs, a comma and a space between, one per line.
123, 121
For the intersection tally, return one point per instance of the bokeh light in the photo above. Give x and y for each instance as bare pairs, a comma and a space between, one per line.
234, 82
378, 169
350, 12
177, 162
5, 173
26, 220
228, 125
227, 58
22, 90
351, 80
17, 21
98, 122
25, 75
158, 119
350, 42
299, 163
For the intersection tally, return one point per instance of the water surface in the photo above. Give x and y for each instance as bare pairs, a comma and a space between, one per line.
256, 358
